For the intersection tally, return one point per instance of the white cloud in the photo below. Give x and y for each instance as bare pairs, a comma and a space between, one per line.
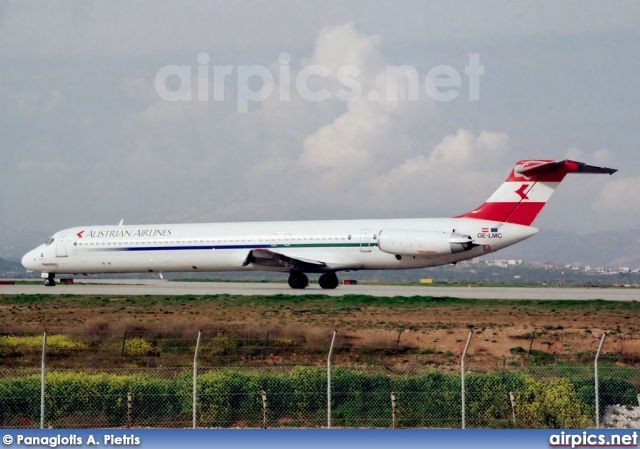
359, 137
463, 148
370, 136
34, 104
342, 45
465, 166
599, 157
620, 196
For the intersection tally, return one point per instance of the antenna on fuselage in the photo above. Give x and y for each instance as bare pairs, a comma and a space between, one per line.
121, 221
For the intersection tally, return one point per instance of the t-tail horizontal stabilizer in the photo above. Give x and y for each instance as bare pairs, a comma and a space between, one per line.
539, 168
527, 189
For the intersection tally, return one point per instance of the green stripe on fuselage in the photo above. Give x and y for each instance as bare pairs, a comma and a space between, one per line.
325, 245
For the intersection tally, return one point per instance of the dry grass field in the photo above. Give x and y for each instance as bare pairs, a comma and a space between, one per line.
430, 330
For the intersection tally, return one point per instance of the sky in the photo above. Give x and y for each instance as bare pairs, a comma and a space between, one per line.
115, 110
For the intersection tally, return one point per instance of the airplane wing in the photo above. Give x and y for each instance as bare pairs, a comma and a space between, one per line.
275, 259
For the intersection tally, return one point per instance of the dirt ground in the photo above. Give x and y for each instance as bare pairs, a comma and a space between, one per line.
436, 331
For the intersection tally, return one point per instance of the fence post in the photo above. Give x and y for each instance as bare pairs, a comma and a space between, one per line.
395, 351
264, 409
42, 378
129, 409
333, 340
533, 335
597, 390
195, 380
124, 342
464, 353
393, 410
512, 398
266, 341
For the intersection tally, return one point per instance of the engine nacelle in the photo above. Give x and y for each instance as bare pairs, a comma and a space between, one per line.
408, 242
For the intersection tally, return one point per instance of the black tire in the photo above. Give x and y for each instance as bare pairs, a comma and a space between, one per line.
298, 280
49, 282
328, 281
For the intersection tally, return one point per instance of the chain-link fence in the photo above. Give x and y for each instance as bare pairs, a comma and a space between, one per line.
380, 397
271, 380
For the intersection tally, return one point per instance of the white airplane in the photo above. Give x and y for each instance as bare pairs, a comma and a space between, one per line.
301, 247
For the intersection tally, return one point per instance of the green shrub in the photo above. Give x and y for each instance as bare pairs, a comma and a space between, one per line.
220, 395
428, 400
285, 343
20, 401
220, 344
298, 398
613, 391
57, 345
358, 398
139, 347
550, 405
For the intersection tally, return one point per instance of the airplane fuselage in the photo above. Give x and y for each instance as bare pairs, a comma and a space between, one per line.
339, 244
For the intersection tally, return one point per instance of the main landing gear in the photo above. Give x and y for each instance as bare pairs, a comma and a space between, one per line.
328, 281
300, 280
49, 281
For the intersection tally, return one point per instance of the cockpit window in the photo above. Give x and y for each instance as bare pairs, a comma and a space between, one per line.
50, 241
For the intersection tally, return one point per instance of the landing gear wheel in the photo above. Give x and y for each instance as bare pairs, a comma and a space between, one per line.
49, 281
298, 280
328, 281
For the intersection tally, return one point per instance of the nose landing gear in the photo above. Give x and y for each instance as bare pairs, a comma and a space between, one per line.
50, 281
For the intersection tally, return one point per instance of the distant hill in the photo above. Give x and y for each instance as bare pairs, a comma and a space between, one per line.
603, 248
6, 265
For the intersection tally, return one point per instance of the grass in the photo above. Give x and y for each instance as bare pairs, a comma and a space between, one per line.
589, 306
235, 327
17, 282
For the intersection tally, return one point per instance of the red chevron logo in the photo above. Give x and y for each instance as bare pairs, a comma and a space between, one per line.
79, 234
521, 190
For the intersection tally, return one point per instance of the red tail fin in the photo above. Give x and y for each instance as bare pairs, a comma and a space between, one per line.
527, 189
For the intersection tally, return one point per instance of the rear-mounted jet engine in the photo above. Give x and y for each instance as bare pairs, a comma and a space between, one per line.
414, 242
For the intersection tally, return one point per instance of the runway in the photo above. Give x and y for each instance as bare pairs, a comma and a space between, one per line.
163, 287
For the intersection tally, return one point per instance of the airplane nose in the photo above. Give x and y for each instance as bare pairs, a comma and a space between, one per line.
29, 260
